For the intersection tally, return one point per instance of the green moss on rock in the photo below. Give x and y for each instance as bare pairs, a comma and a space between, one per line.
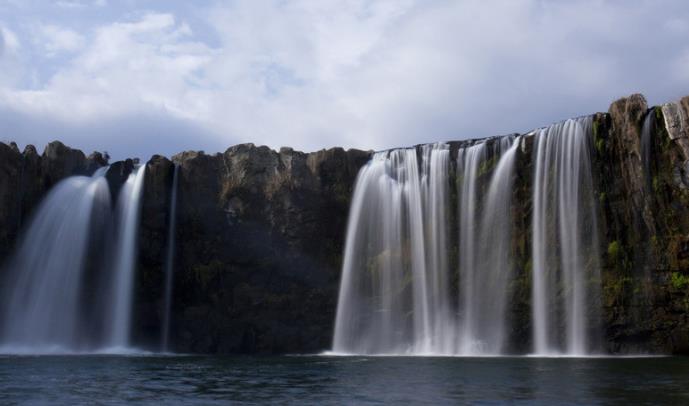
679, 281
614, 250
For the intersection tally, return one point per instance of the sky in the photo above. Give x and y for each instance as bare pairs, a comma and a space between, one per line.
144, 77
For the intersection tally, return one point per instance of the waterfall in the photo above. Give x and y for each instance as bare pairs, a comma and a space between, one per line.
565, 250
408, 287
382, 282
44, 283
484, 251
124, 262
59, 295
468, 163
396, 294
436, 199
169, 262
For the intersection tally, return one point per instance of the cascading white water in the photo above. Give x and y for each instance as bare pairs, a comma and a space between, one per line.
468, 161
43, 289
384, 281
564, 248
128, 210
169, 263
408, 176
485, 253
436, 201
396, 294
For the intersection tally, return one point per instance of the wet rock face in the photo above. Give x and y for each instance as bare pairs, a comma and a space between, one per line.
645, 227
10, 174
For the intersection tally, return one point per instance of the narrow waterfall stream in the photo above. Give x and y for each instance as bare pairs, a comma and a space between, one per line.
468, 161
400, 292
436, 198
124, 264
485, 237
43, 286
169, 264
564, 249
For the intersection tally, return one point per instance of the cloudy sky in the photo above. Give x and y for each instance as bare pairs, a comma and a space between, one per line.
136, 78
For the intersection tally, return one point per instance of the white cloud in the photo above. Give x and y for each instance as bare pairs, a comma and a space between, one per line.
126, 67
359, 73
10, 67
56, 39
9, 39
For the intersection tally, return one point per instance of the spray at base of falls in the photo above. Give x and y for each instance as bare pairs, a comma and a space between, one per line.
404, 292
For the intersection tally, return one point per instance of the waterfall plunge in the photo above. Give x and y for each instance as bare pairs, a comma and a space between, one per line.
401, 292
382, 280
484, 246
564, 249
169, 263
128, 210
436, 198
396, 295
48, 306
43, 289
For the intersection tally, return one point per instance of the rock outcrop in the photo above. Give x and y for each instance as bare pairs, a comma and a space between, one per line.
645, 219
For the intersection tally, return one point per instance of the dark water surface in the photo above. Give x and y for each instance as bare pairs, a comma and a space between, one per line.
351, 380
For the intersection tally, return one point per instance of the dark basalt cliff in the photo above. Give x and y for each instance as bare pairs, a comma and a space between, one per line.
260, 236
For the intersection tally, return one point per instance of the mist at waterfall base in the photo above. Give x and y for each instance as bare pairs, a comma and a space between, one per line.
46, 306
